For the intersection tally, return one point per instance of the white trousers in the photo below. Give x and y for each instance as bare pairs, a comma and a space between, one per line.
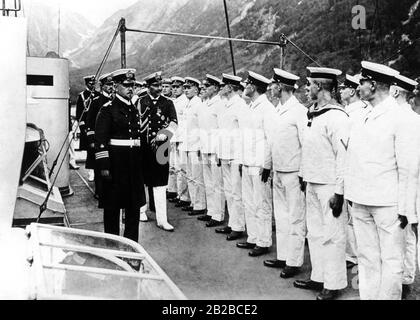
258, 203
290, 218
181, 176
172, 180
213, 183
380, 251
232, 186
195, 181
351, 246
410, 255
159, 194
326, 238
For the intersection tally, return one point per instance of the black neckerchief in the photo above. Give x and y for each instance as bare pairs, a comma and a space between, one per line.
330, 105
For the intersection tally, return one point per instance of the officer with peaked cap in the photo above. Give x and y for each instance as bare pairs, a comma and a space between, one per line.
98, 101
380, 163
229, 152
321, 172
119, 158
355, 108
256, 187
212, 172
83, 103
191, 148
180, 161
402, 90
158, 124
285, 143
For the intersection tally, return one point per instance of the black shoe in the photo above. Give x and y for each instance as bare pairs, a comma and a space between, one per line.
275, 263
234, 235
182, 204
213, 223
171, 195
258, 251
189, 208
289, 272
246, 245
197, 212
350, 264
224, 230
328, 294
308, 285
204, 218
406, 289
173, 200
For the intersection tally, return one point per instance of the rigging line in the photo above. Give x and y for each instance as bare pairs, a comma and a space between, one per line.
401, 50
202, 36
229, 35
43, 206
300, 50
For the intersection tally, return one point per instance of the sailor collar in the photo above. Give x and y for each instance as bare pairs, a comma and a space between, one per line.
213, 100
281, 108
388, 104
230, 102
262, 98
354, 106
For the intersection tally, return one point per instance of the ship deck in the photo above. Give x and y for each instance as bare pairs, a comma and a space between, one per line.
200, 262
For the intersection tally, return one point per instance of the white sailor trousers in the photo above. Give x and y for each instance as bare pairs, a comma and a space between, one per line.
213, 183
172, 180
351, 247
290, 218
195, 181
181, 176
410, 255
257, 200
232, 186
326, 237
380, 251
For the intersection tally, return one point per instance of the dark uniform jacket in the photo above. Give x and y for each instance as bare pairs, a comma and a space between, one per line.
97, 103
119, 119
155, 117
82, 100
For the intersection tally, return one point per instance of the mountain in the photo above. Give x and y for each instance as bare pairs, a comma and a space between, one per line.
43, 29
321, 28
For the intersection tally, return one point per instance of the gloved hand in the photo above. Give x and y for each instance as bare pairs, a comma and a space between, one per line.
336, 204
265, 175
106, 175
414, 226
302, 184
240, 170
403, 220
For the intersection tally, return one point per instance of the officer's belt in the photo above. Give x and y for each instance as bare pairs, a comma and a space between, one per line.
125, 142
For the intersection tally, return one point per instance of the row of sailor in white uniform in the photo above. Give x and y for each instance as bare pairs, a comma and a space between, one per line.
345, 178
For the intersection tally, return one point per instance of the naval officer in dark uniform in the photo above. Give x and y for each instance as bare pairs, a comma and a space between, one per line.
119, 158
158, 124
84, 100
106, 95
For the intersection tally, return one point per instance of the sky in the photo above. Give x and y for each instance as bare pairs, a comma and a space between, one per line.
96, 11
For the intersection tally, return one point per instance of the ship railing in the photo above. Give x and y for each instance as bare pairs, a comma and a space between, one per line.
10, 6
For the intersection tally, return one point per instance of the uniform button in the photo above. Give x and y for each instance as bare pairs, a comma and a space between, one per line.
154, 133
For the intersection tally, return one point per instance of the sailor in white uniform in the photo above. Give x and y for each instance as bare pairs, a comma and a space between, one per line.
322, 168
380, 159
402, 90
285, 142
256, 187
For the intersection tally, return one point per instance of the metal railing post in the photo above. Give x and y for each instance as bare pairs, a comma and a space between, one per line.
123, 29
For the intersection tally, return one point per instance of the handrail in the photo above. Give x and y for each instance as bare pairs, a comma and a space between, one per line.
17, 7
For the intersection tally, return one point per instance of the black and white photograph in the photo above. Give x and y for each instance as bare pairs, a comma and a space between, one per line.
227, 152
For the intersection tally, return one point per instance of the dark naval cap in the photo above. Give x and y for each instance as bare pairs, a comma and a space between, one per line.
89, 79
405, 83
105, 79
351, 82
257, 80
284, 77
378, 72
231, 79
155, 77
192, 82
323, 73
124, 76
212, 80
